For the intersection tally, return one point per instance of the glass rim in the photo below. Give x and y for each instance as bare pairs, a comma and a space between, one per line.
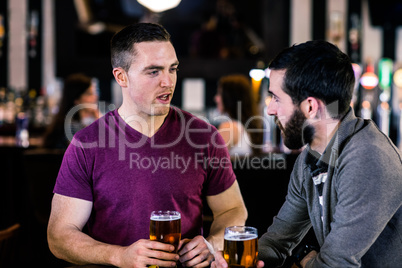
241, 229
170, 214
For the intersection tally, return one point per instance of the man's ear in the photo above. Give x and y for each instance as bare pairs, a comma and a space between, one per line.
120, 76
311, 108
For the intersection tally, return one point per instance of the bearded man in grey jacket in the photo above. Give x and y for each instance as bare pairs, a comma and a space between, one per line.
347, 182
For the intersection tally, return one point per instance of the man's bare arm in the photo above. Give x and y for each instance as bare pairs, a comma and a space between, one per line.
228, 209
68, 217
68, 242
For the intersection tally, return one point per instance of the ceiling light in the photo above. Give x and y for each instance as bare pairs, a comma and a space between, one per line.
257, 74
159, 5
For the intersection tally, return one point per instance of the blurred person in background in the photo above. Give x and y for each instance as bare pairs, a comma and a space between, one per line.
79, 92
243, 129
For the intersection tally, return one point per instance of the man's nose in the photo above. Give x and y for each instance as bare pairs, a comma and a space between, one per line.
271, 107
167, 81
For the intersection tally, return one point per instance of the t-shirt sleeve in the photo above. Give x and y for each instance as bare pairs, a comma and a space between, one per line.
219, 167
74, 178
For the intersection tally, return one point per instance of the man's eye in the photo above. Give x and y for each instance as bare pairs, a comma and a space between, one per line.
174, 69
154, 72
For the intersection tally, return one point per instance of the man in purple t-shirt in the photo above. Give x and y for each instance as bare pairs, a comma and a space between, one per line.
144, 156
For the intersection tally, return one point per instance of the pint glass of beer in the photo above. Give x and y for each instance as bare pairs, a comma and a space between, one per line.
165, 227
241, 246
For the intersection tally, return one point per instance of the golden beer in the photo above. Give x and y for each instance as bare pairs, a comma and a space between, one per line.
165, 227
241, 246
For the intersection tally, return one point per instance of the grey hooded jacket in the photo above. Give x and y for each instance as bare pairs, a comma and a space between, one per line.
361, 220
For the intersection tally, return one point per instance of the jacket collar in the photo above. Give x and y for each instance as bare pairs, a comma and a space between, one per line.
349, 124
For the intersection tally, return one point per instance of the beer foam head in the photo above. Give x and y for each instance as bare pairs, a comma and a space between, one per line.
240, 233
165, 215
240, 237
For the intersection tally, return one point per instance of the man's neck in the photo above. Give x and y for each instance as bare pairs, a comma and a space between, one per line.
324, 131
147, 125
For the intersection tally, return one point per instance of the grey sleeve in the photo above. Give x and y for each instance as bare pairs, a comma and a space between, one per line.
288, 227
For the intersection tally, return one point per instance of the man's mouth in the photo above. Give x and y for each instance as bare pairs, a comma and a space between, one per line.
278, 123
164, 97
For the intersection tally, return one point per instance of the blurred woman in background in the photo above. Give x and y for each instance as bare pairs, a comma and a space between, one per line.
243, 131
78, 90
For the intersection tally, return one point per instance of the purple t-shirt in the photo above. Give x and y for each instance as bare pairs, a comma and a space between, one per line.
127, 175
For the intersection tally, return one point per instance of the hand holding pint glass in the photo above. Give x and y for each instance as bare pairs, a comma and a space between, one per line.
241, 246
165, 227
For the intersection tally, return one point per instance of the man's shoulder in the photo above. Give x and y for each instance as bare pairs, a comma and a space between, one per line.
369, 148
370, 137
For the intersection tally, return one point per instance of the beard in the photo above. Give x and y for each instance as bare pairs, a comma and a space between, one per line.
297, 133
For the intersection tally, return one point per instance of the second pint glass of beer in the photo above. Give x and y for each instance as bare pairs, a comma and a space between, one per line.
241, 246
165, 227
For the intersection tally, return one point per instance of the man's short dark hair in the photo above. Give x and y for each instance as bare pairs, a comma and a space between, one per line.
317, 69
122, 44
